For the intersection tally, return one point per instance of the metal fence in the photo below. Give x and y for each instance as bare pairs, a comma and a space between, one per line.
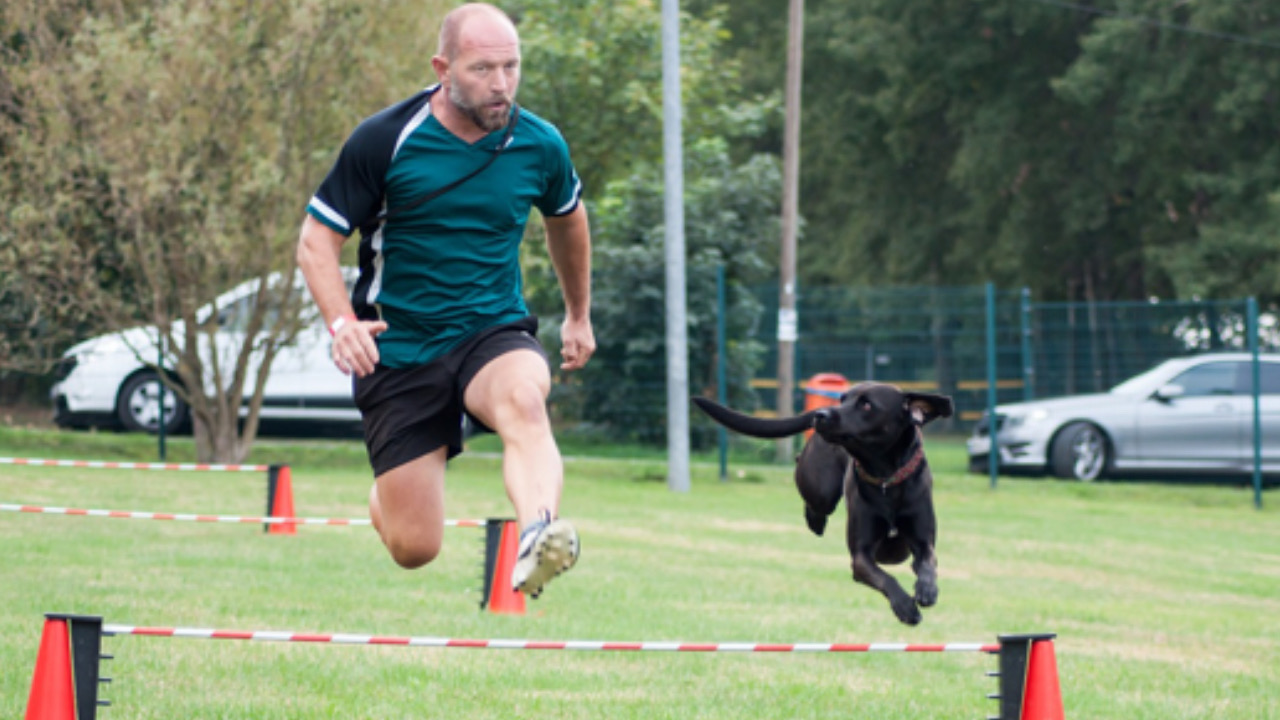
930, 339
936, 340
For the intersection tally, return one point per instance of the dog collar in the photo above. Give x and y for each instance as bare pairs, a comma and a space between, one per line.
896, 478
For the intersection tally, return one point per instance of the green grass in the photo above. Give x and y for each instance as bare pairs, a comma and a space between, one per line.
1164, 596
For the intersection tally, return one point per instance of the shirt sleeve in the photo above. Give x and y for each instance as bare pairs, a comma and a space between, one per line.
564, 188
352, 193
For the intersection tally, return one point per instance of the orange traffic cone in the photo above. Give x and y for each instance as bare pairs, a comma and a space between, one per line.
823, 390
1042, 699
52, 686
280, 500
502, 543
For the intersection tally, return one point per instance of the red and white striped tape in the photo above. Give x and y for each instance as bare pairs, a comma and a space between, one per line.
41, 462
597, 645
138, 515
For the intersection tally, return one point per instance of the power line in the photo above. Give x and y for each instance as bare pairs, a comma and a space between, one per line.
1164, 24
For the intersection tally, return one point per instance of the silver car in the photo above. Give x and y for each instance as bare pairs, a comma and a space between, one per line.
1189, 414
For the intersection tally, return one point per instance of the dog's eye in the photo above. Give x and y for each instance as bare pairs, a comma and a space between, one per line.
864, 405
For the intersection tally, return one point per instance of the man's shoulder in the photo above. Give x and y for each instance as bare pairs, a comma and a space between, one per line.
388, 124
541, 129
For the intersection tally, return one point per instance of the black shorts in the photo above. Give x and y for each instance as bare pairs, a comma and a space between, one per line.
410, 412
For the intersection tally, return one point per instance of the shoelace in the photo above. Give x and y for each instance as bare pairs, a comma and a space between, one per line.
544, 519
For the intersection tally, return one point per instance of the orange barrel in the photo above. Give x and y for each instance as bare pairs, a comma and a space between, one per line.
823, 390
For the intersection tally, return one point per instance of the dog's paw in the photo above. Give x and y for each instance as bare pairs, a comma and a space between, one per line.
926, 594
816, 520
908, 613
906, 610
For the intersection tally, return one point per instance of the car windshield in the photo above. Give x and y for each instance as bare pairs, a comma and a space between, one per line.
235, 316
235, 308
1136, 384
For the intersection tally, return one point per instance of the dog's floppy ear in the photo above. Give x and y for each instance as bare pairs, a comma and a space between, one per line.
924, 408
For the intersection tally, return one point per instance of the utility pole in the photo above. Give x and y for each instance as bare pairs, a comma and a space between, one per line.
788, 321
677, 322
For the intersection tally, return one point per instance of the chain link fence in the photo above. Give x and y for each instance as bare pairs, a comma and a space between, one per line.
930, 339
936, 340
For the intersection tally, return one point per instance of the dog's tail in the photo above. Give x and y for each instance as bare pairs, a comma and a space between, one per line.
754, 426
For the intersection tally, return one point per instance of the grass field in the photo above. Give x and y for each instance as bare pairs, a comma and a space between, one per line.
1164, 596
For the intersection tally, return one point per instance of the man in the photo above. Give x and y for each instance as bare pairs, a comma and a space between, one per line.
436, 325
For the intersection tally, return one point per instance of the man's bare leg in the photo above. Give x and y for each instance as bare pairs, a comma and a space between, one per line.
406, 505
509, 395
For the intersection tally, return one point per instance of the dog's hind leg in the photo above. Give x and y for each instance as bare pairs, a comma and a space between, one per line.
863, 543
872, 575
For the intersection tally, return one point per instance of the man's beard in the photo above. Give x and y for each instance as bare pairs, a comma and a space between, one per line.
488, 123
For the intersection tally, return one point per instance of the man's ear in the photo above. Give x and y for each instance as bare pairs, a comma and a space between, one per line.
441, 67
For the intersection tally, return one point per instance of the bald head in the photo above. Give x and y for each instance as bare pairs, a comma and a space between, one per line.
474, 23
478, 65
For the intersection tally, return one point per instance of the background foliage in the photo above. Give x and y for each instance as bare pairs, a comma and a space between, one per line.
159, 153
1115, 151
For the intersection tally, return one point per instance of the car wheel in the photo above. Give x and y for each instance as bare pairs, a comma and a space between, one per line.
1081, 452
138, 406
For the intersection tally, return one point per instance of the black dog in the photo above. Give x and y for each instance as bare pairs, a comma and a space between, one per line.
868, 449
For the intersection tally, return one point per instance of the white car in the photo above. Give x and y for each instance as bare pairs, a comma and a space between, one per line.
1188, 414
104, 382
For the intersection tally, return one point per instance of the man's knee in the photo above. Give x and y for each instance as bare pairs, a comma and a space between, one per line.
527, 403
412, 552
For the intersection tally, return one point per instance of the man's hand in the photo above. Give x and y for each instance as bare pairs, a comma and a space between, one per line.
354, 350
578, 343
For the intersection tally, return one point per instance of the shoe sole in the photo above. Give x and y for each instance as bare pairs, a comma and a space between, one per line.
553, 553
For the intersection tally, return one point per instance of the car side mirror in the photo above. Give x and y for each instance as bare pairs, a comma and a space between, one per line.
1165, 393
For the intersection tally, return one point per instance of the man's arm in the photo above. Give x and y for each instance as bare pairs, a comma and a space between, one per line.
319, 253
569, 244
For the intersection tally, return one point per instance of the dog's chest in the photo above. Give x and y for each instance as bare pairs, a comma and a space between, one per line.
884, 500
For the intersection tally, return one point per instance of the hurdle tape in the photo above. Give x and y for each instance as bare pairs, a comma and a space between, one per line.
587, 645
279, 489
277, 505
188, 517
68, 672
110, 465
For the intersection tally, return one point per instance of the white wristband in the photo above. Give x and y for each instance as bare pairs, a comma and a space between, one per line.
339, 323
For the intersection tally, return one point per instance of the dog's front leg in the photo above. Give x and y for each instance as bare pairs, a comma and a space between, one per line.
867, 572
925, 565
820, 477
920, 539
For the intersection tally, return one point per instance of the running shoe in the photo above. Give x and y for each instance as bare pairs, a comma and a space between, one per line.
547, 548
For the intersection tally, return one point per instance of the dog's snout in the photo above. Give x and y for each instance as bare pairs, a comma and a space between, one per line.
822, 416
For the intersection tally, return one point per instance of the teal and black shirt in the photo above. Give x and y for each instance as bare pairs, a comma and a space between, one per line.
450, 267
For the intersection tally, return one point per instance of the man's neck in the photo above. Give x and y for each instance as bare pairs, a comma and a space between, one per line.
452, 120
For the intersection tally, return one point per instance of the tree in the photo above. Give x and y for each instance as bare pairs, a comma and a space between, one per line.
1186, 153
595, 70
731, 221
1082, 154
158, 153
